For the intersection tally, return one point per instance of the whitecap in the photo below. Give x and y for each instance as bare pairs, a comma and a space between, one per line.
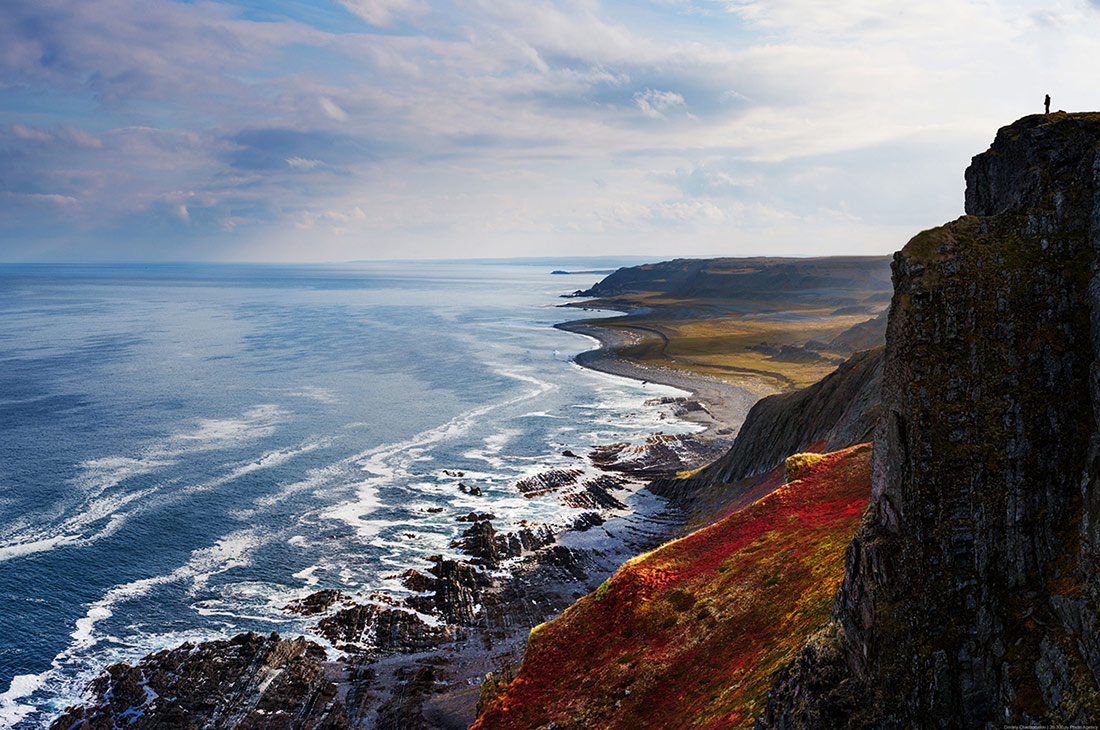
18, 549
21, 687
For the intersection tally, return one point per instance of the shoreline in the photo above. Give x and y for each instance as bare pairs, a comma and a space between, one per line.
431, 671
726, 404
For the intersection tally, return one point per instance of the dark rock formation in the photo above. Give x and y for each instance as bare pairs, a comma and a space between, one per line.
414, 580
548, 481
371, 628
247, 682
595, 494
681, 406
455, 593
660, 455
971, 596
476, 517
316, 603
489, 548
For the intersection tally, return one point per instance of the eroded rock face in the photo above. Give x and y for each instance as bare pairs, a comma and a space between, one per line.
838, 411
971, 591
250, 681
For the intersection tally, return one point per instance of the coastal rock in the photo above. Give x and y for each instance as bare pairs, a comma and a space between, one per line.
374, 628
548, 481
476, 517
456, 592
681, 406
479, 541
659, 455
316, 603
586, 521
971, 593
414, 580
489, 548
247, 682
596, 494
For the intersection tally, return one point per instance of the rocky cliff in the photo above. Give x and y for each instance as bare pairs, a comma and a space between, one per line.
971, 591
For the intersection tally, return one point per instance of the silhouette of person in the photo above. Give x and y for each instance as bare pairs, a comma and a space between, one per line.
1046, 102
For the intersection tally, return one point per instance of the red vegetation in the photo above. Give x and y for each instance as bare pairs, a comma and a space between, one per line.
690, 635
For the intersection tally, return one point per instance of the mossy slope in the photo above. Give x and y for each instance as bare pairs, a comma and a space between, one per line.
690, 635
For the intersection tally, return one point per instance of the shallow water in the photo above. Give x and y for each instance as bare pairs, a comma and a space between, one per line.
186, 448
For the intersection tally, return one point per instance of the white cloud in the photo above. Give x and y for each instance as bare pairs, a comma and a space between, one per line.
383, 12
329, 107
300, 163
655, 103
491, 117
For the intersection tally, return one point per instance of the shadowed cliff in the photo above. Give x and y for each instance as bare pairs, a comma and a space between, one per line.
971, 590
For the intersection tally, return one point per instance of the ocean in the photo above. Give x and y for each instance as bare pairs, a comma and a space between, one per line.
186, 448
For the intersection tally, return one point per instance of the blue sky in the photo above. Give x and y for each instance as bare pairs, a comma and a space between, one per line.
305, 130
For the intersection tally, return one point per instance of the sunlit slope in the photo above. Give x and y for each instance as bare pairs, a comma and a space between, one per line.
690, 635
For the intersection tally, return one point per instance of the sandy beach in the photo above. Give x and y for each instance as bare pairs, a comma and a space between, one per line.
726, 404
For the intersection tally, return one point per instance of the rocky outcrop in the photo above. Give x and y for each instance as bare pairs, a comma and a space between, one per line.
489, 548
548, 481
316, 603
971, 596
250, 681
659, 455
455, 592
371, 628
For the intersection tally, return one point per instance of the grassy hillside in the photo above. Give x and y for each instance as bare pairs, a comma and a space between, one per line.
783, 323
691, 634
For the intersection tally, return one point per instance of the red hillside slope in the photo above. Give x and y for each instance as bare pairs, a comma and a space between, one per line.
689, 635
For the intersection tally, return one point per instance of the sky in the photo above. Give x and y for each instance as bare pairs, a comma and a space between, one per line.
335, 130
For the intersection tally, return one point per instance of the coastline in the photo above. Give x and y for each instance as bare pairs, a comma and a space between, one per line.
420, 665
726, 404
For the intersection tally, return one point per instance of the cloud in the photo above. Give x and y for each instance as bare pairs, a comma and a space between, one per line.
300, 163
655, 103
446, 122
383, 13
60, 135
333, 111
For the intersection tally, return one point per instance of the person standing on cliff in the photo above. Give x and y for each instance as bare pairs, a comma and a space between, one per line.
1046, 102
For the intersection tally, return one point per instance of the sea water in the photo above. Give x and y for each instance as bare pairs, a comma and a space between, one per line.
186, 448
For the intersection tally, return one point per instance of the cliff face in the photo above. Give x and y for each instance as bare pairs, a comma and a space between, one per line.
971, 591
836, 412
